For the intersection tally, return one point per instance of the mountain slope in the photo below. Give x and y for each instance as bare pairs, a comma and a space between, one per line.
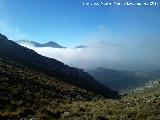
28, 94
23, 89
35, 44
11, 51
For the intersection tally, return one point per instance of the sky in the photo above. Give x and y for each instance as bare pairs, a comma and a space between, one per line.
70, 23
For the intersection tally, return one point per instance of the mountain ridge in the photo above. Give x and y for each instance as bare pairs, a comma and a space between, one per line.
36, 44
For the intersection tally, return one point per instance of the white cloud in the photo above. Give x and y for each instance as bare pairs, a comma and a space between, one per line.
95, 55
106, 54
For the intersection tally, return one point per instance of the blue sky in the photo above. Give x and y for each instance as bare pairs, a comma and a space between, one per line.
69, 23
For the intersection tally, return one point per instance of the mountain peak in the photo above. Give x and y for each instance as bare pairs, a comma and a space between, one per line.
52, 44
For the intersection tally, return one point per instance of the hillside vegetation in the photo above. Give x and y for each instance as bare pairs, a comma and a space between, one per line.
137, 105
36, 87
24, 91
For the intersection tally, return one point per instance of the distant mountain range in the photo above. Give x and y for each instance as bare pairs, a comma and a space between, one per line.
35, 44
28, 43
123, 80
11, 51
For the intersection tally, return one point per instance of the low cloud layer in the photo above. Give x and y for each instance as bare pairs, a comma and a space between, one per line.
143, 55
